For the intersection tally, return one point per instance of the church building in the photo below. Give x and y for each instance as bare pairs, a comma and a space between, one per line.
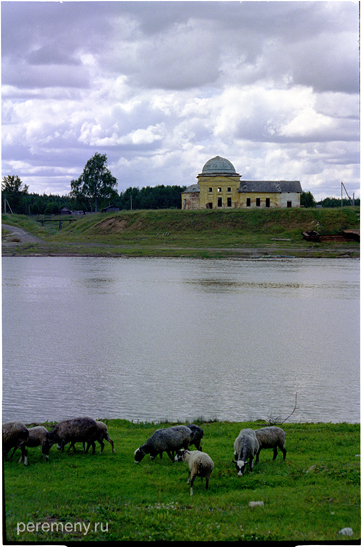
219, 187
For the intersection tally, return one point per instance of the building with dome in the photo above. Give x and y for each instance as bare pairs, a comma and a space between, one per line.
219, 187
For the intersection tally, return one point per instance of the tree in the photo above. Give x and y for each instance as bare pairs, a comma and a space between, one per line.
13, 192
307, 199
95, 182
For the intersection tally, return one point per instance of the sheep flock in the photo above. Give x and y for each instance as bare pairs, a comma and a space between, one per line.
175, 441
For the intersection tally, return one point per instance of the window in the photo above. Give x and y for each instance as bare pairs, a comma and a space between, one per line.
219, 189
210, 189
229, 189
208, 205
248, 202
219, 202
229, 202
258, 202
267, 202
289, 203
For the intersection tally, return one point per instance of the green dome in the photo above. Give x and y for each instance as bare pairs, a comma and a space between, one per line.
218, 165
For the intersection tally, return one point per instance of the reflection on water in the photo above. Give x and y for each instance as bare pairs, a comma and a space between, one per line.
178, 339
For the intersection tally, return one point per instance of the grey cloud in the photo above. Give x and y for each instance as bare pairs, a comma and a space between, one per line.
51, 55
25, 76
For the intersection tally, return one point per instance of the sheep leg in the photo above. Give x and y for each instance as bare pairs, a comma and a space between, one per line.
171, 455
72, 445
93, 444
284, 451
111, 442
207, 482
257, 456
24, 454
251, 463
191, 484
102, 445
275, 450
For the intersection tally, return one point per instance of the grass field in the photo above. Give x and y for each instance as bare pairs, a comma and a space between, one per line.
201, 233
309, 497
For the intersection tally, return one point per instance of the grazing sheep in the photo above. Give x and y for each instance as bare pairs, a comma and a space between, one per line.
271, 437
37, 437
73, 430
102, 435
200, 465
15, 435
245, 447
167, 440
196, 435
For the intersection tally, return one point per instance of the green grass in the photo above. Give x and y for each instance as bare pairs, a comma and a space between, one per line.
202, 233
309, 497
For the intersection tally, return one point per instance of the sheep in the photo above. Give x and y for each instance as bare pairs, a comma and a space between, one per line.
73, 430
246, 445
271, 437
167, 440
37, 437
102, 435
200, 465
15, 434
196, 435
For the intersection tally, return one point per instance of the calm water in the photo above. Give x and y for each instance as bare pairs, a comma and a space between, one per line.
154, 339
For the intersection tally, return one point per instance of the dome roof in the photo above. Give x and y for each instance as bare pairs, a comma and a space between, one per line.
218, 165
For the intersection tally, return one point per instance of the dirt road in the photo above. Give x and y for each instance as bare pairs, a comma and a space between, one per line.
18, 235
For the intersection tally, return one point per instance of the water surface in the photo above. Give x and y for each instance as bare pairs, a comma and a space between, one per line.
154, 339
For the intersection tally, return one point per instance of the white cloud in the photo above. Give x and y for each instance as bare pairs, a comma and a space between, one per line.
161, 87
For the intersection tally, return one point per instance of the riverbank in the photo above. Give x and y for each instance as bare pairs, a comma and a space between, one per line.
309, 497
174, 233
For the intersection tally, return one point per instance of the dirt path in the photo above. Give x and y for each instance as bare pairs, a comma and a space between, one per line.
18, 235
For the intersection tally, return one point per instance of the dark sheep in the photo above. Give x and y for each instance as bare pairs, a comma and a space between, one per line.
37, 437
196, 435
102, 435
168, 440
73, 430
15, 435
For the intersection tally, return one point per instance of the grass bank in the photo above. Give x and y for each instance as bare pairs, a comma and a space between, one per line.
308, 498
192, 233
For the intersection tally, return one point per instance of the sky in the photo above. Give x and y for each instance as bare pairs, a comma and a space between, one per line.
162, 87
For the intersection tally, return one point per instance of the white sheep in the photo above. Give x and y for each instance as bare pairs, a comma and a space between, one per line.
200, 465
246, 446
271, 437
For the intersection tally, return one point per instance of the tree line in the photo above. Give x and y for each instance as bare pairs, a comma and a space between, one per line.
95, 189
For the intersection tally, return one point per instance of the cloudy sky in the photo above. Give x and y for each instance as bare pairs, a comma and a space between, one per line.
161, 87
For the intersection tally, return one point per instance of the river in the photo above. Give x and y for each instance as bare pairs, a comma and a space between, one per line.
153, 339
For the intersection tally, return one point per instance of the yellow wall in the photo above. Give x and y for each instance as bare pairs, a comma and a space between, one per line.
219, 186
221, 191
